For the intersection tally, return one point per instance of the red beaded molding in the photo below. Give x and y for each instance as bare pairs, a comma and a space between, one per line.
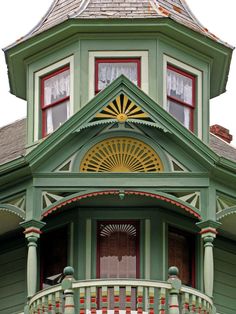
211, 230
115, 192
35, 230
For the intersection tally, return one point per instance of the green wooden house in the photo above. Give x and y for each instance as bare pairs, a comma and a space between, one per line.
114, 174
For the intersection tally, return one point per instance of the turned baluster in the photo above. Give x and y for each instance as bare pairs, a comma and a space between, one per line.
140, 300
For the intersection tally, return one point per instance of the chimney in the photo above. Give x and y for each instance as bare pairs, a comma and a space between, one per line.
221, 132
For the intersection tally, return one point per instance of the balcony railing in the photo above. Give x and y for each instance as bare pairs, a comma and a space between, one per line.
120, 296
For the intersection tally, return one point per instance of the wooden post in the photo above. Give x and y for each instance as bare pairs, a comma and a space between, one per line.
32, 233
208, 233
69, 307
174, 292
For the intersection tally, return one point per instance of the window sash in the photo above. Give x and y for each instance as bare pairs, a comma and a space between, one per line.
181, 92
55, 99
110, 69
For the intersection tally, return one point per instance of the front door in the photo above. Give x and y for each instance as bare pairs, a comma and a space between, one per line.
118, 249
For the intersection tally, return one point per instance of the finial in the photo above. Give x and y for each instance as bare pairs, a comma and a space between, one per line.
68, 271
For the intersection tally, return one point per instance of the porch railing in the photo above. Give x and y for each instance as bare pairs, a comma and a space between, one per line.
120, 296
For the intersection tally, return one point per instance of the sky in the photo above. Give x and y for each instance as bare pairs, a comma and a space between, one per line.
17, 18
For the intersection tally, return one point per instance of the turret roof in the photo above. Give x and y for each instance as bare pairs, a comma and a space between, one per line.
62, 10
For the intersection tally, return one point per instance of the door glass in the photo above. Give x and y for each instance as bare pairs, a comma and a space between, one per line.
118, 250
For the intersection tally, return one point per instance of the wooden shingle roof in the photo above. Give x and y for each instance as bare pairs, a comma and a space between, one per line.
12, 141
62, 10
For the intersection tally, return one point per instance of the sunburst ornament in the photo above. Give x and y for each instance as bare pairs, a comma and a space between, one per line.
121, 154
122, 109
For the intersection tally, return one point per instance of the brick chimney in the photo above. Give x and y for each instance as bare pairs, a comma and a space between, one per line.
221, 132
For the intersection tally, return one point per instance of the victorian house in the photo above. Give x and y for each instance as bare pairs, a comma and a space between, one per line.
114, 195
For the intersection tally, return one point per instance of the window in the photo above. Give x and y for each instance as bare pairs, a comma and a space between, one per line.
107, 70
181, 253
53, 256
181, 96
55, 99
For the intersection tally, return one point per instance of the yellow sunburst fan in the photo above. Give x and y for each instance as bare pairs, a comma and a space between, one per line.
122, 109
121, 154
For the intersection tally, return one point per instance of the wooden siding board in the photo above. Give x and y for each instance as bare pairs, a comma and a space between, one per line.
225, 283
12, 280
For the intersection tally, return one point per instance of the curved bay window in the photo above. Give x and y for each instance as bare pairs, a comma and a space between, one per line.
55, 99
181, 96
107, 70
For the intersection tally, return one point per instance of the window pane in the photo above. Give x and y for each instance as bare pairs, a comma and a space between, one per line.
56, 115
117, 250
180, 254
180, 112
56, 87
53, 256
108, 72
180, 86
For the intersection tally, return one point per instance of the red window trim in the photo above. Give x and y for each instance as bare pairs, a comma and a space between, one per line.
55, 103
137, 224
180, 102
192, 245
117, 60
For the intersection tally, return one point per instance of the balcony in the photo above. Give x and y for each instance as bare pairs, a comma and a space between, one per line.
120, 296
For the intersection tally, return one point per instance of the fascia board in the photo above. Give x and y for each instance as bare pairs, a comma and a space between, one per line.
16, 54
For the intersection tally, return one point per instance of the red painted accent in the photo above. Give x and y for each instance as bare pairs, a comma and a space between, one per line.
43, 106
221, 132
178, 101
174, 306
35, 230
212, 230
117, 60
115, 192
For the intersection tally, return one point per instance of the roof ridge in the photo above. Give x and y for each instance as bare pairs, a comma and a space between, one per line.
81, 8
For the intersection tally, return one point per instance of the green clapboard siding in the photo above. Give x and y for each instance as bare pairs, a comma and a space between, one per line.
13, 280
225, 281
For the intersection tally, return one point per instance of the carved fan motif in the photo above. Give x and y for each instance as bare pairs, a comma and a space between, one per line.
121, 154
122, 109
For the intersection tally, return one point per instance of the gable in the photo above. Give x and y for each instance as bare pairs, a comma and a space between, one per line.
118, 127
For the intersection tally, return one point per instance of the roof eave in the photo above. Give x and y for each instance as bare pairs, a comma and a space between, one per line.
16, 55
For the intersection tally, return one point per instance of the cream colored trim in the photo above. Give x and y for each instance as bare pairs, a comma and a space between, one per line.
37, 77
119, 54
88, 253
147, 248
194, 71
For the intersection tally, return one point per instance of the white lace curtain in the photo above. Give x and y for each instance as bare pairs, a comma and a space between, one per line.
180, 112
108, 72
55, 117
179, 86
57, 87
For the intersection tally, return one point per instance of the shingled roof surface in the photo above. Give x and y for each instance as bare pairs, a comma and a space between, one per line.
12, 141
62, 10
222, 148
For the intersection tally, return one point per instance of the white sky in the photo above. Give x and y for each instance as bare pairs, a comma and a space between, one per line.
18, 17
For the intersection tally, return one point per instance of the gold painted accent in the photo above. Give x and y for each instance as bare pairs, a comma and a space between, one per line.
121, 154
122, 109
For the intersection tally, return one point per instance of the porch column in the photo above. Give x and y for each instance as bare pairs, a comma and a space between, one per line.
208, 233
32, 233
